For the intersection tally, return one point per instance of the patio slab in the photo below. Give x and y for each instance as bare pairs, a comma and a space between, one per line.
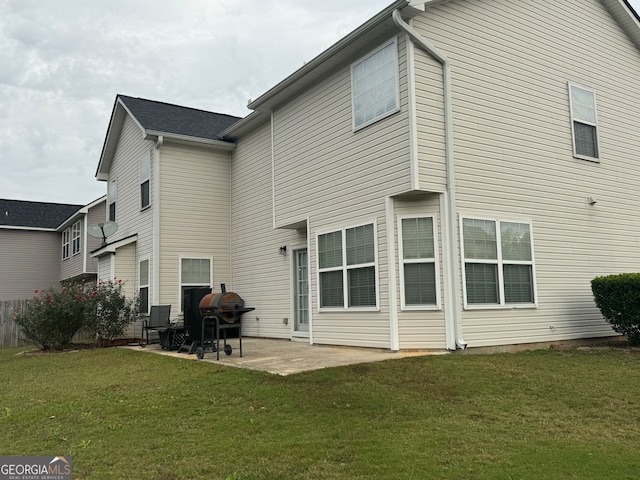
285, 357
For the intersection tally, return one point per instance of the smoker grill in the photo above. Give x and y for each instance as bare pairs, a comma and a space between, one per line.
223, 311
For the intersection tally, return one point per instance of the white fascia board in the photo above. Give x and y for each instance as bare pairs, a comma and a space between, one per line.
189, 140
621, 11
34, 229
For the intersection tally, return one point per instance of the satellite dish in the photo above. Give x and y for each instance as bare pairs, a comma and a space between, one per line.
102, 230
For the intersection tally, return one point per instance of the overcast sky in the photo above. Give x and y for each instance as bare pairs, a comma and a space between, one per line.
63, 62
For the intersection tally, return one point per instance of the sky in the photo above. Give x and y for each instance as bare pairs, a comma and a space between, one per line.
63, 62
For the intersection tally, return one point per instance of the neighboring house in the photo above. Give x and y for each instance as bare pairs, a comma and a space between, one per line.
450, 174
30, 246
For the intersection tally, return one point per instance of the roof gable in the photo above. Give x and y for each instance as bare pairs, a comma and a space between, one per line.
157, 119
35, 215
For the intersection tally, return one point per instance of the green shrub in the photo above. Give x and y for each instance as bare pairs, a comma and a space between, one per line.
618, 298
108, 311
53, 316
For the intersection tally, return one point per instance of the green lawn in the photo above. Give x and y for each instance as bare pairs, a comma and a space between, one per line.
532, 415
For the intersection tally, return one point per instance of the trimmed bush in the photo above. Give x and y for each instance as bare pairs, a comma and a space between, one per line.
618, 298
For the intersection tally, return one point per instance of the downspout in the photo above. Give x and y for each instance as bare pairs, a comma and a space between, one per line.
156, 222
273, 174
451, 271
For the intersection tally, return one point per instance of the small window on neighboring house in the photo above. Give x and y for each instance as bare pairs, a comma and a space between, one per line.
418, 266
498, 263
112, 194
66, 236
145, 173
194, 272
75, 238
374, 86
347, 268
144, 286
584, 122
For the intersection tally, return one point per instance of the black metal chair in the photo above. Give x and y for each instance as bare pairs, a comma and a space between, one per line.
158, 321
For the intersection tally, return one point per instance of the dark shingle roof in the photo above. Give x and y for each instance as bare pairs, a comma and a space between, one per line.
168, 118
20, 213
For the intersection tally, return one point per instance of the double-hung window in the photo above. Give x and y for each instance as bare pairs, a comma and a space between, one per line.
194, 273
75, 238
374, 86
143, 286
66, 235
145, 174
584, 122
347, 268
112, 194
418, 266
498, 263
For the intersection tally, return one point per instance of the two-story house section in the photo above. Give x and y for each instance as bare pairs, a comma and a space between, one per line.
168, 191
77, 264
450, 174
31, 253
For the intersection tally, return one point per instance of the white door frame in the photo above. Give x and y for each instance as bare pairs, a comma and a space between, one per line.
295, 249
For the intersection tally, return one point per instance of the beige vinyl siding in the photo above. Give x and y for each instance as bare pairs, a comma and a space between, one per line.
321, 165
511, 63
106, 267
420, 328
29, 261
261, 276
125, 272
125, 168
96, 214
74, 264
429, 98
195, 209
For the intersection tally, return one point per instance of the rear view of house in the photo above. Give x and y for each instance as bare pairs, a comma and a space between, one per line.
451, 174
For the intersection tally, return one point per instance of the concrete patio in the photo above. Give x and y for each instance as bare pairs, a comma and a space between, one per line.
284, 357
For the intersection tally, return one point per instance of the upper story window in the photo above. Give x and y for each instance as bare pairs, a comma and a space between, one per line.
374, 86
498, 263
347, 268
143, 286
418, 266
584, 122
75, 238
112, 194
145, 173
66, 236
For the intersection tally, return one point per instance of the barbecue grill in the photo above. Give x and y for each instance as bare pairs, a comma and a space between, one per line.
224, 310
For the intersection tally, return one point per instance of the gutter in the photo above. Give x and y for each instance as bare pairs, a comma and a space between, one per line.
451, 271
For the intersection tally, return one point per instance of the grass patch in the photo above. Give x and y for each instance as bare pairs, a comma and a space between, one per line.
531, 415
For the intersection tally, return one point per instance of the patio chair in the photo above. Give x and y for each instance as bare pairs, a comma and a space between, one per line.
158, 321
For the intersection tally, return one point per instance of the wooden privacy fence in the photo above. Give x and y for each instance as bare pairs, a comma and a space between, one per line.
9, 331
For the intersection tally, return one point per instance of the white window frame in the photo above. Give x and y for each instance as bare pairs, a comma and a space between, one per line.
146, 285
355, 125
344, 268
66, 243
112, 197
76, 244
585, 122
434, 260
500, 263
181, 284
145, 177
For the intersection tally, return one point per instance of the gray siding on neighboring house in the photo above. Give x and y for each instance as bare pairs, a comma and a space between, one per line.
261, 275
511, 62
195, 206
30, 261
